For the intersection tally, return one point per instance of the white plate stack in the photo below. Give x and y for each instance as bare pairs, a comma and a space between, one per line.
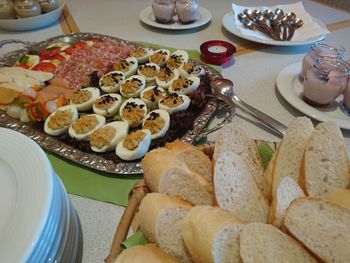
37, 220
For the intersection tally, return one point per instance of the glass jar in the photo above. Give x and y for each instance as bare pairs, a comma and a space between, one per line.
27, 8
47, 5
164, 11
325, 81
7, 10
327, 50
345, 106
187, 11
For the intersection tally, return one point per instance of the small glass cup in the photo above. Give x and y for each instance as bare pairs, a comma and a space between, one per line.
7, 10
187, 11
323, 49
164, 11
27, 8
325, 81
345, 106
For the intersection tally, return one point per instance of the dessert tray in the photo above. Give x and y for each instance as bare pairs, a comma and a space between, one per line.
97, 161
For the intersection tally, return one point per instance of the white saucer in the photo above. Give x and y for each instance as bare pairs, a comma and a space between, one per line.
290, 87
229, 24
147, 17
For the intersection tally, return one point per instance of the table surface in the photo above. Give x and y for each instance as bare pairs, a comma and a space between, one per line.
254, 74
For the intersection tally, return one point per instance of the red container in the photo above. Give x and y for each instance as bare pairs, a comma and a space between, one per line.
217, 52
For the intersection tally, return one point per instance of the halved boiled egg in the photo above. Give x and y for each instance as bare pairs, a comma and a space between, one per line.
173, 103
160, 57
166, 76
106, 138
190, 69
107, 105
111, 81
135, 145
177, 59
133, 111
128, 66
133, 86
185, 85
82, 128
59, 121
149, 71
84, 99
151, 95
142, 54
158, 122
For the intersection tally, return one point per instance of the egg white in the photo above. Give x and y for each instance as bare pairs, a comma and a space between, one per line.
192, 84
152, 79
57, 132
144, 58
110, 111
166, 83
121, 128
189, 69
162, 114
177, 59
141, 87
152, 103
181, 107
87, 105
137, 102
164, 52
115, 86
128, 66
140, 151
86, 136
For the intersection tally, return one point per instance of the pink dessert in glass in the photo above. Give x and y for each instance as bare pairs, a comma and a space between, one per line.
187, 11
164, 11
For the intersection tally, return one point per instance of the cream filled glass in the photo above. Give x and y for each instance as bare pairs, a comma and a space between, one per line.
187, 11
164, 11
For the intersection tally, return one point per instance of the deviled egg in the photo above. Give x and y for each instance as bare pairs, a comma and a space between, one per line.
177, 59
149, 71
82, 128
160, 57
106, 138
133, 86
185, 85
142, 54
158, 122
59, 121
107, 105
166, 76
133, 111
173, 103
151, 95
190, 69
135, 145
111, 81
128, 66
84, 99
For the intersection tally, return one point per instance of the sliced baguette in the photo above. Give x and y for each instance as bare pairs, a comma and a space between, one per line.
142, 254
161, 220
287, 191
291, 151
230, 138
164, 172
211, 234
340, 197
325, 163
196, 160
322, 227
236, 190
265, 243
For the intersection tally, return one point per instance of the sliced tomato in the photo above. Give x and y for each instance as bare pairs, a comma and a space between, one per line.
33, 113
58, 57
69, 50
49, 53
23, 66
45, 66
79, 44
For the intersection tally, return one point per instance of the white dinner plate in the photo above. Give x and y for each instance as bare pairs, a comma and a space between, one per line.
290, 87
147, 17
229, 25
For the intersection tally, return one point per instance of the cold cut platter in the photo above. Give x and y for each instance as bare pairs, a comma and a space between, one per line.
103, 102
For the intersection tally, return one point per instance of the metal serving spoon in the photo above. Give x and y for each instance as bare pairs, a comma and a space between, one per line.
223, 90
295, 24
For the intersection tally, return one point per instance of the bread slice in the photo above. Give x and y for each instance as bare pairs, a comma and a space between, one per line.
164, 172
230, 138
142, 254
340, 197
196, 160
161, 220
287, 191
236, 190
325, 164
265, 243
324, 228
211, 234
291, 151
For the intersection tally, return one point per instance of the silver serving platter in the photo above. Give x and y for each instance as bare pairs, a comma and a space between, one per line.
91, 160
